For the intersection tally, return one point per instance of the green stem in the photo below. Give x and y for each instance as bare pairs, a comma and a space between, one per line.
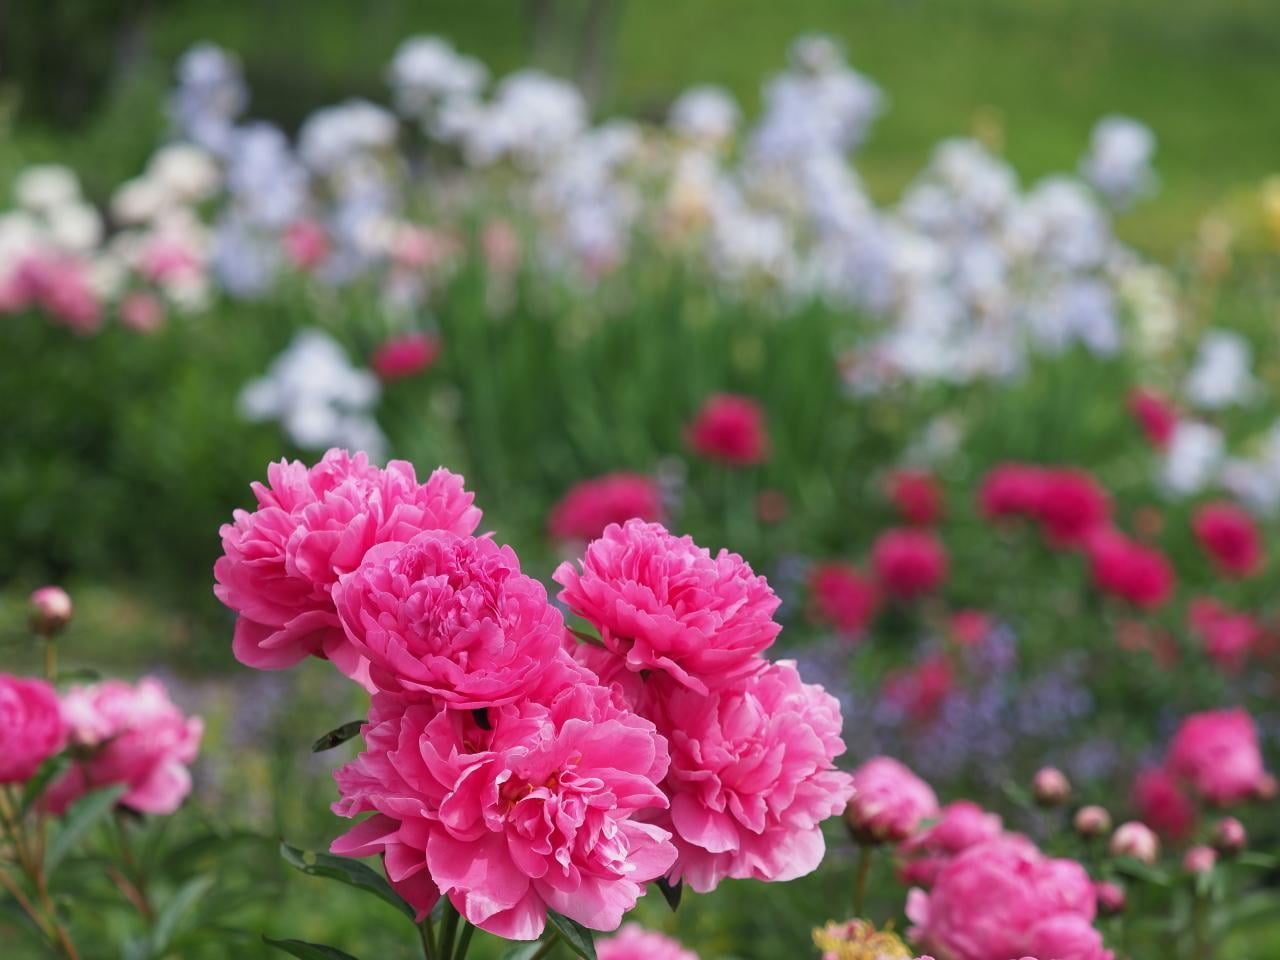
50, 658
448, 933
546, 948
427, 933
860, 879
464, 942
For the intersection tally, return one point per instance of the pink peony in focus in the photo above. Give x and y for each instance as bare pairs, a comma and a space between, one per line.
131, 735
1228, 637
31, 726
634, 942
306, 244
889, 802
1161, 804
592, 505
916, 495
960, 825
730, 428
1217, 754
540, 806
908, 563
663, 603
1155, 415
404, 356
752, 776
449, 616
843, 597
1230, 535
313, 525
1131, 571
1011, 490
1072, 505
1004, 898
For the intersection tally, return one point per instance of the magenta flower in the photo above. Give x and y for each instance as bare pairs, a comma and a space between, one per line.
634, 942
960, 825
1129, 570
730, 428
1004, 898
592, 505
131, 735
539, 807
313, 525
1229, 534
752, 775
844, 597
452, 617
404, 356
31, 726
663, 603
1217, 754
909, 563
889, 801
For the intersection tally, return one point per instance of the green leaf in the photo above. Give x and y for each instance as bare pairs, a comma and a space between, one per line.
308, 951
524, 951
348, 871
577, 937
1253, 858
671, 892
1140, 871
175, 911
82, 816
48, 771
337, 736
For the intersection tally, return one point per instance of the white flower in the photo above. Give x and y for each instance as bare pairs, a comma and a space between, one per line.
75, 227
1192, 461
427, 71
334, 136
46, 187
185, 172
706, 114
1221, 377
532, 118
1119, 160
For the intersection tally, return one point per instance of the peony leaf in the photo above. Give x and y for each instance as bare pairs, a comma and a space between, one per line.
82, 815
671, 892
308, 951
577, 937
337, 736
1140, 871
348, 871
168, 920
524, 951
48, 771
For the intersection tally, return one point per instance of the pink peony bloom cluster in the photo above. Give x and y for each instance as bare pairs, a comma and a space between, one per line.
31, 726
1138, 574
634, 942
889, 802
1230, 536
731, 429
1004, 898
1068, 503
592, 505
281, 562
131, 735
1216, 753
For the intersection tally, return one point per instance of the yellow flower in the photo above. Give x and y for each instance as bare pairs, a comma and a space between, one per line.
859, 940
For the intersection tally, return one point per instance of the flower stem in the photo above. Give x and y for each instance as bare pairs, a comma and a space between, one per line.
448, 933
50, 658
546, 948
464, 941
860, 879
427, 933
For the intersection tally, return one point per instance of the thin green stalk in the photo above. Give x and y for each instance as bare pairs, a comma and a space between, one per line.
427, 933
464, 942
50, 658
860, 879
448, 933
546, 948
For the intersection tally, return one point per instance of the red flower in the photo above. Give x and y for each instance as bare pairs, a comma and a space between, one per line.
404, 356
1155, 415
1161, 805
843, 597
1011, 489
1136, 573
1230, 536
909, 563
730, 428
1071, 506
916, 495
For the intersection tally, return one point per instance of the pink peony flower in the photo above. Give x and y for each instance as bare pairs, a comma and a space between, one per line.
1199, 858
1004, 898
1230, 535
889, 802
1227, 637
537, 807
131, 735
449, 616
1155, 415
752, 776
634, 942
592, 505
1011, 490
1161, 804
31, 726
843, 597
142, 312
51, 610
730, 428
1072, 505
908, 563
1133, 572
663, 603
313, 525
960, 825
1135, 840
59, 284
306, 244
916, 495
1216, 753
404, 356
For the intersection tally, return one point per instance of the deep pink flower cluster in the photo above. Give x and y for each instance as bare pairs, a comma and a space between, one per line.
1130, 570
731, 429
1228, 636
916, 496
499, 770
844, 597
959, 826
1230, 536
1068, 503
590, 506
1003, 898
404, 356
909, 563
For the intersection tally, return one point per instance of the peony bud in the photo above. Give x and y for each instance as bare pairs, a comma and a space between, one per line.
1050, 787
1199, 859
1134, 839
50, 610
1092, 821
1229, 836
1111, 898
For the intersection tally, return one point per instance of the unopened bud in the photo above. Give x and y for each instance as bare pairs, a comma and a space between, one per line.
1050, 787
1092, 821
50, 610
1229, 836
1199, 859
1134, 839
1111, 898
